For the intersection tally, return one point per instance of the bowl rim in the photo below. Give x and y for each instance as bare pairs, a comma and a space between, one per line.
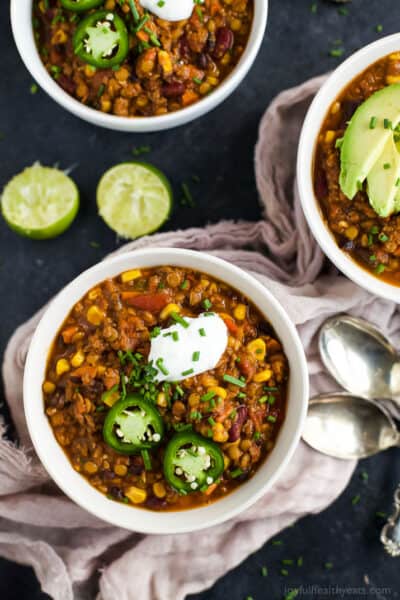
75, 485
21, 24
336, 82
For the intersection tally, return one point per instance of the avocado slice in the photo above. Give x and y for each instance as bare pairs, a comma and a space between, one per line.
382, 179
365, 137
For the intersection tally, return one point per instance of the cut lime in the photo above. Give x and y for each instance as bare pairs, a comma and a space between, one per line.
134, 199
40, 203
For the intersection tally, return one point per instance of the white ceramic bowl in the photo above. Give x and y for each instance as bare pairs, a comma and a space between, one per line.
317, 112
74, 485
21, 21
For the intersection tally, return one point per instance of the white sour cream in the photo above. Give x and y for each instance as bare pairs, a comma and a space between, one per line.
169, 10
197, 348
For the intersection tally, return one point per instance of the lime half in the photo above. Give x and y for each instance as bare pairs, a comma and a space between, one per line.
40, 203
134, 199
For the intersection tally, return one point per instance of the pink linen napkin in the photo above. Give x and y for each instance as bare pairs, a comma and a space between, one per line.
78, 557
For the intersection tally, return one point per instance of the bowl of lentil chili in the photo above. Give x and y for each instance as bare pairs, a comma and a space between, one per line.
165, 390
361, 242
118, 65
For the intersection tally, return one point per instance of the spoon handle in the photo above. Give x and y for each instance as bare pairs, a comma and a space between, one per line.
390, 536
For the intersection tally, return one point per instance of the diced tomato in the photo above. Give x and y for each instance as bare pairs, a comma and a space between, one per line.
150, 302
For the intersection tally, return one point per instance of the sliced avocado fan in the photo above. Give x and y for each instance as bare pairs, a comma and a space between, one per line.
366, 136
383, 180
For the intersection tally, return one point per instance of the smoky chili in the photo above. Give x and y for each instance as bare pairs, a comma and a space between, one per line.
164, 445
156, 67
372, 241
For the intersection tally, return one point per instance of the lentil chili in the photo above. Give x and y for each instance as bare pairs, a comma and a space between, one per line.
372, 241
156, 67
132, 436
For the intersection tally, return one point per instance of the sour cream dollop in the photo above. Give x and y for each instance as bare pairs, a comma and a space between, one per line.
170, 10
180, 352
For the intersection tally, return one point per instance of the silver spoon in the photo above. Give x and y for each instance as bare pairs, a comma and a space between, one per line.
349, 427
360, 358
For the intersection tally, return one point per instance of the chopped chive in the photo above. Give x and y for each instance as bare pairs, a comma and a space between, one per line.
206, 397
379, 269
257, 436
292, 594
160, 365
271, 419
398, 182
138, 150
380, 514
195, 356
100, 91
264, 571
179, 390
241, 395
187, 195
387, 166
383, 237
336, 52
300, 561
263, 399
374, 229
197, 80
236, 473
178, 319
343, 11
328, 565
155, 332
211, 421
268, 388
387, 124
277, 543
34, 88
364, 476
187, 372
136, 16
207, 304
271, 400
234, 380
284, 572
356, 499
373, 122
233, 414
175, 336
146, 460
314, 8
287, 561
184, 285
202, 332
372, 258
211, 403
379, 28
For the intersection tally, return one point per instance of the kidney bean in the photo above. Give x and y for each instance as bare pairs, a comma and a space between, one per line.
107, 474
349, 107
67, 84
173, 89
184, 47
224, 42
136, 465
203, 60
156, 503
234, 432
117, 493
321, 185
246, 366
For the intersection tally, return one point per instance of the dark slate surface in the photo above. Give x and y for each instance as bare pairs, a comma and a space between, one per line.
218, 148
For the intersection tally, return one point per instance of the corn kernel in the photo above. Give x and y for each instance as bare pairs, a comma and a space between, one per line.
95, 315
109, 5
330, 136
120, 470
159, 490
136, 495
262, 376
351, 232
122, 74
165, 62
48, 387
226, 59
240, 312
395, 56
219, 433
227, 462
93, 294
392, 79
236, 24
257, 348
62, 366
162, 400
78, 359
105, 105
101, 369
212, 80
89, 71
90, 467
219, 391
204, 89
59, 37
170, 308
130, 275
335, 108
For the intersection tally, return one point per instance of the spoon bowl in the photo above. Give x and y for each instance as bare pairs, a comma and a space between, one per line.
349, 427
360, 358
